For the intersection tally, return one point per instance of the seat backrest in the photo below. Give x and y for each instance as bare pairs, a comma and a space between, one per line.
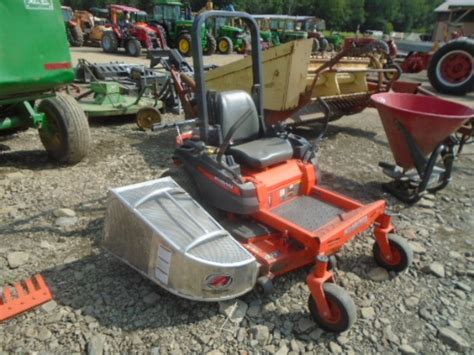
230, 107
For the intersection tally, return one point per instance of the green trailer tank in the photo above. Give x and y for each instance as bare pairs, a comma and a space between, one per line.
34, 62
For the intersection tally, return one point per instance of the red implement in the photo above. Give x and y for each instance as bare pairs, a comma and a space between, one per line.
28, 295
429, 120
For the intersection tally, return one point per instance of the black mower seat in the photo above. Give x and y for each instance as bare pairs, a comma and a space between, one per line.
262, 153
248, 148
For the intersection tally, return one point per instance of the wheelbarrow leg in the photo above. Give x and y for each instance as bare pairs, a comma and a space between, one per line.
411, 191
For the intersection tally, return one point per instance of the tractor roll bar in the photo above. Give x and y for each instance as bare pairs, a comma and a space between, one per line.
201, 93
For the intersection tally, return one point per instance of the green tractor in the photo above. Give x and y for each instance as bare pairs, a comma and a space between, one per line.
229, 37
28, 97
176, 19
336, 41
284, 27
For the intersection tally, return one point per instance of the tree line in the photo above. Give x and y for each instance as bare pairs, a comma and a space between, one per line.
341, 15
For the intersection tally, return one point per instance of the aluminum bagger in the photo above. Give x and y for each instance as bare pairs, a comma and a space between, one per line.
159, 230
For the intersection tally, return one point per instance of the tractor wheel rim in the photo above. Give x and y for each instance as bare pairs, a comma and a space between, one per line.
184, 46
455, 68
223, 46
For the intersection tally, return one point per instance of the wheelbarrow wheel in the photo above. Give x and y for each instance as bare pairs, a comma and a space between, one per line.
264, 286
341, 305
403, 255
65, 130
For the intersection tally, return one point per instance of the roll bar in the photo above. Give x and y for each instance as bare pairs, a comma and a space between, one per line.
201, 92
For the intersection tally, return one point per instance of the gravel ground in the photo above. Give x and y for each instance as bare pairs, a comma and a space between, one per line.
51, 222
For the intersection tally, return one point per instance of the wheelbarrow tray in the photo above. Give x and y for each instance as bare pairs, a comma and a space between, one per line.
159, 230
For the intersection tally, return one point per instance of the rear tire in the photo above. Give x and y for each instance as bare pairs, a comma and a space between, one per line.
343, 309
184, 44
323, 44
133, 47
225, 45
211, 45
76, 36
65, 131
109, 42
449, 68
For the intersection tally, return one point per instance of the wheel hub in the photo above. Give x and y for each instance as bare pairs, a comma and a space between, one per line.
456, 68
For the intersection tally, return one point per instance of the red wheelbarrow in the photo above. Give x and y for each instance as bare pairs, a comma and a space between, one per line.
419, 130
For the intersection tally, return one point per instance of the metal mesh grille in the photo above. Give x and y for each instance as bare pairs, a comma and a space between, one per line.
308, 212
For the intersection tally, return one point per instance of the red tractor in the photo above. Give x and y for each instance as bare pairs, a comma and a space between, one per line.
130, 31
450, 68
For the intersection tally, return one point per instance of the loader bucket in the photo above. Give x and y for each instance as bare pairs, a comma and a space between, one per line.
429, 121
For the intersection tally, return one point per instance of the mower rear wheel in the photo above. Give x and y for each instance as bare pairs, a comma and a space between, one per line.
264, 286
451, 69
401, 251
133, 47
109, 42
225, 45
342, 307
184, 44
65, 130
148, 116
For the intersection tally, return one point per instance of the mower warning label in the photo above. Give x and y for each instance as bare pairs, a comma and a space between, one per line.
39, 4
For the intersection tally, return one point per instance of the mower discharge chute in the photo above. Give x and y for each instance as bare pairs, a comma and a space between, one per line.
267, 181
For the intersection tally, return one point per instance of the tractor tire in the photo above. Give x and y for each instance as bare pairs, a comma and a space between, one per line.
76, 36
110, 42
211, 45
315, 48
323, 44
451, 69
184, 44
133, 47
225, 45
243, 48
65, 131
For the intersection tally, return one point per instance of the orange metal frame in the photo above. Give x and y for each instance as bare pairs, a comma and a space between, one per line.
291, 246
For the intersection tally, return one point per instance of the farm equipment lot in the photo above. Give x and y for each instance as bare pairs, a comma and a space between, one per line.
100, 304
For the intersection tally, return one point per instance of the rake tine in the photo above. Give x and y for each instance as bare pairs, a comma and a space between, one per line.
30, 286
7, 295
20, 291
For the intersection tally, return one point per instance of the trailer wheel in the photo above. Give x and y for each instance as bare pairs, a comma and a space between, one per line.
184, 44
342, 307
264, 286
211, 45
133, 47
65, 131
225, 45
76, 36
148, 116
403, 255
109, 42
450, 70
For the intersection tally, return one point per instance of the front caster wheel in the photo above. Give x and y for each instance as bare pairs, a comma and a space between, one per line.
264, 286
342, 307
401, 252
